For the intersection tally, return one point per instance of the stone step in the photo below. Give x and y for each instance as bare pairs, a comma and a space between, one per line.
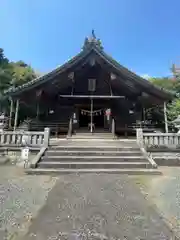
91, 153
102, 137
79, 165
93, 158
128, 171
92, 148
111, 140
90, 141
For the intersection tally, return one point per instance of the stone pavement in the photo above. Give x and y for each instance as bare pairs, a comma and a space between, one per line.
21, 197
97, 206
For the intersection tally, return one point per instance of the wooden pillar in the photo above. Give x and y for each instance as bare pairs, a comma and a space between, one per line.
38, 98
16, 114
144, 114
37, 111
91, 115
165, 118
113, 127
11, 112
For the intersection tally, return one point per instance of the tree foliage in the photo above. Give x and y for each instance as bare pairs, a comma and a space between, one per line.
172, 85
173, 109
21, 73
13, 73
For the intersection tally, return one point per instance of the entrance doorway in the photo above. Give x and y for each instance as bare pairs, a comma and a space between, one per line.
97, 119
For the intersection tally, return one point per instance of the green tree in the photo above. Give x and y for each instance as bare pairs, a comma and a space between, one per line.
5, 72
173, 109
164, 83
172, 85
3, 60
21, 73
12, 74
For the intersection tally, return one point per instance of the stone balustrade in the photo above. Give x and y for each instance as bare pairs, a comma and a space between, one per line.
24, 138
149, 140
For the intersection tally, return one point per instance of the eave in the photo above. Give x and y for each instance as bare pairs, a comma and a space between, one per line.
48, 76
145, 84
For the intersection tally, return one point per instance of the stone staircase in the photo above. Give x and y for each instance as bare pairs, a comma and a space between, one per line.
94, 154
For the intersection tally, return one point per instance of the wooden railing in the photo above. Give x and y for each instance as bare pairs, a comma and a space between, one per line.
24, 138
157, 139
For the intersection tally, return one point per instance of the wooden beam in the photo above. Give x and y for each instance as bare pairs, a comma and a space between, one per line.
90, 96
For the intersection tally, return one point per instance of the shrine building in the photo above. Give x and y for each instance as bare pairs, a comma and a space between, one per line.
91, 92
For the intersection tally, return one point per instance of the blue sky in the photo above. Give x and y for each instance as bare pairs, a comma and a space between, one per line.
143, 35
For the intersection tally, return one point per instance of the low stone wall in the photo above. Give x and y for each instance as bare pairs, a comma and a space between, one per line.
13, 156
166, 156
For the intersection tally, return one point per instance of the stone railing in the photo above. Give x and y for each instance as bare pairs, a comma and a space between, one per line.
161, 139
153, 140
25, 138
140, 142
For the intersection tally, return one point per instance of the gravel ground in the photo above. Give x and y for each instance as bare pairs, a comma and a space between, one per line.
97, 206
164, 192
21, 196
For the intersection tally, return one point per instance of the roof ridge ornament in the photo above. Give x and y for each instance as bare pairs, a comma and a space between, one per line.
92, 41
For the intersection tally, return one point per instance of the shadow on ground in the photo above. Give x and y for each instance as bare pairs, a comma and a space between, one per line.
97, 206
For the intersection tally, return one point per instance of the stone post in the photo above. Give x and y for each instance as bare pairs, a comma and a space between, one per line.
139, 136
25, 156
46, 137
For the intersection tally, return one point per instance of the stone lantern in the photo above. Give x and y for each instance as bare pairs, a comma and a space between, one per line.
176, 123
